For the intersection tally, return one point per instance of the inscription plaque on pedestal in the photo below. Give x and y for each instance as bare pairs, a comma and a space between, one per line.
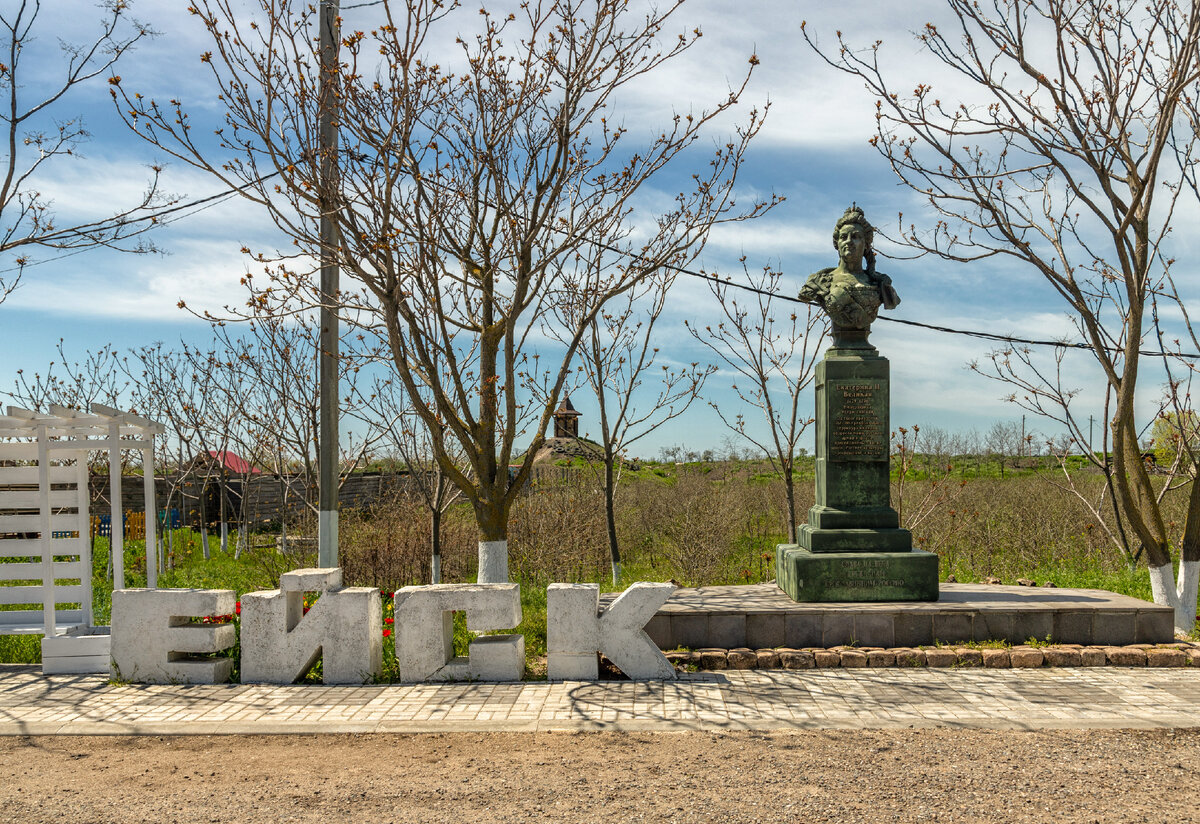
857, 430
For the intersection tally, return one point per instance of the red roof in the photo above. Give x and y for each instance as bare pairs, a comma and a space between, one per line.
234, 463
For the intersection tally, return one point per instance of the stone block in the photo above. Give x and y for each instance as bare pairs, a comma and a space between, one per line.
280, 642
425, 632
1155, 626
875, 629
1072, 627
996, 659
1159, 657
797, 659
1025, 657
1193, 655
941, 657
768, 659
881, 658
311, 580
1062, 657
154, 641
1112, 628
1125, 656
803, 630
659, 630
727, 631
766, 629
953, 627
838, 629
1092, 657
857, 577
913, 629
712, 658
576, 626
853, 658
1036, 624
968, 657
689, 630
909, 657
826, 659
742, 659
854, 540
994, 626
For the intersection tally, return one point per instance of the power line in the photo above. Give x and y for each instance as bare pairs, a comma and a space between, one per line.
946, 329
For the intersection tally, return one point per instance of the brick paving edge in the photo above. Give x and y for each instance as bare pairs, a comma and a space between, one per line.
1177, 654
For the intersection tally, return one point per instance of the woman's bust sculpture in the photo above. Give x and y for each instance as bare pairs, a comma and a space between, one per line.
849, 293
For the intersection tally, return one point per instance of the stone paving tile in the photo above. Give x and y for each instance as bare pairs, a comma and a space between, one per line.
815, 699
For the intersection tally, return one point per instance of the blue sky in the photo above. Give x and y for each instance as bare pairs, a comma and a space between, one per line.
813, 150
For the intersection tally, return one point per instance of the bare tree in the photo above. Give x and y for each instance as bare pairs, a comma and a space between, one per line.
765, 354
1070, 159
33, 134
96, 378
473, 193
617, 360
279, 401
412, 441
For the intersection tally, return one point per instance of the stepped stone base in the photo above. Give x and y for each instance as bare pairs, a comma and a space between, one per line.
857, 576
762, 616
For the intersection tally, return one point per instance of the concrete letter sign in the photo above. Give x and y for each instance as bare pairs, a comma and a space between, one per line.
425, 632
344, 627
152, 635
576, 630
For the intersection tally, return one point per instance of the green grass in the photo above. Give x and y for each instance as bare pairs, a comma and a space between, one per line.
749, 561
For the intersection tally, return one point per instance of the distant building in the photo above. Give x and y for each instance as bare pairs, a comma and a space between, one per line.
566, 420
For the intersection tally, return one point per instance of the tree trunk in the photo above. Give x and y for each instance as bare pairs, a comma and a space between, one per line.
224, 516
204, 522
789, 489
491, 513
435, 543
610, 517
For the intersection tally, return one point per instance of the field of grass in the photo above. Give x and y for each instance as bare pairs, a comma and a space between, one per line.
695, 524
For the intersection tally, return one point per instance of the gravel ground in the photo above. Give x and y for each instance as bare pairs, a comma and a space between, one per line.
876, 776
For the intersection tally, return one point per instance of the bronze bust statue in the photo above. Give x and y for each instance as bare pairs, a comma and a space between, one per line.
849, 293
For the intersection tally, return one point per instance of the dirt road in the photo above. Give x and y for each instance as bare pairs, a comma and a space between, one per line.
883, 776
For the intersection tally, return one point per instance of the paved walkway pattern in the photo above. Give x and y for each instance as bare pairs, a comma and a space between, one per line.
32, 704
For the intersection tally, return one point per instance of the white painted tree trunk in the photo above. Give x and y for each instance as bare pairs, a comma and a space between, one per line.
204, 541
616, 574
493, 562
1179, 594
436, 572
224, 537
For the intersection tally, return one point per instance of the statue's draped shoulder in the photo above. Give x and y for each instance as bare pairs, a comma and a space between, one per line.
886, 291
817, 285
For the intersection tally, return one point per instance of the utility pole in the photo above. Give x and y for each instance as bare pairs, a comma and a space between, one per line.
327, 148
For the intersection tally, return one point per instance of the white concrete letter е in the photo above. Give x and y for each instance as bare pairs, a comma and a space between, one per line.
280, 642
576, 630
425, 632
153, 638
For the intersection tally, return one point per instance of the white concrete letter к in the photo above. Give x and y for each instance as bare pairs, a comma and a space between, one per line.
425, 632
153, 638
280, 642
576, 630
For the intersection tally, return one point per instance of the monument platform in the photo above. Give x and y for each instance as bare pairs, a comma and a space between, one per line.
763, 616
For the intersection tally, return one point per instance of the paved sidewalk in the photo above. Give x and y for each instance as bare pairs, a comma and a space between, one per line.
32, 704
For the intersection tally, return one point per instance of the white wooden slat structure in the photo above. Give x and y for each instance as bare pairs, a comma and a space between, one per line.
45, 546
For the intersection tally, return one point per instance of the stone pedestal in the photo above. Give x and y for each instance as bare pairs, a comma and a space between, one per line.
852, 548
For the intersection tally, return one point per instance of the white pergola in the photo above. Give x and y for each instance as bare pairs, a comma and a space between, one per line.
44, 510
